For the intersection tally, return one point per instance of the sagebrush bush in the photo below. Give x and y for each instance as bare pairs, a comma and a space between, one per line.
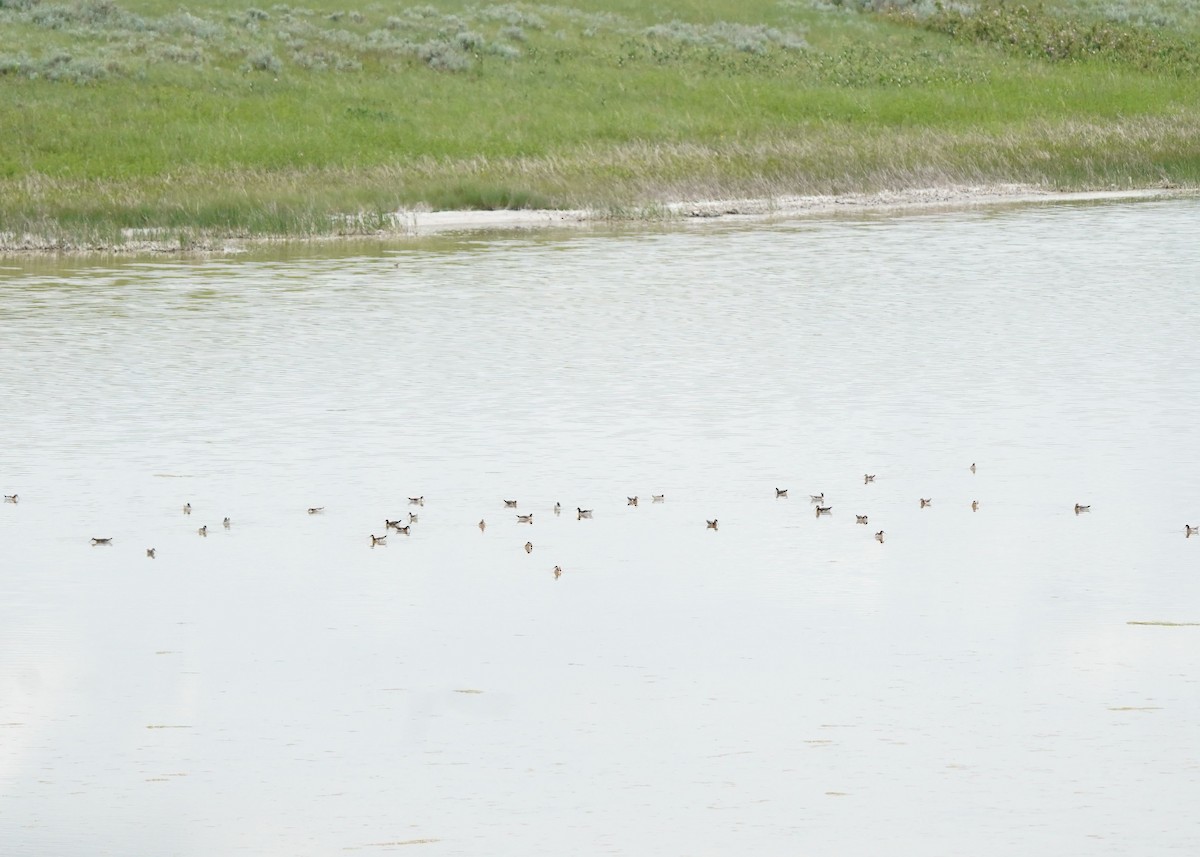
264, 60
443, 56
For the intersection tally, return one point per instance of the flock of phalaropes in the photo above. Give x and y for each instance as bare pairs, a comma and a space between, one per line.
403, 527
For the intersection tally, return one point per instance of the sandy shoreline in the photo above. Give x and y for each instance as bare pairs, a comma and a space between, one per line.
417, 224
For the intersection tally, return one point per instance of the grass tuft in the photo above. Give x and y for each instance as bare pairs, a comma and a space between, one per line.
478, 197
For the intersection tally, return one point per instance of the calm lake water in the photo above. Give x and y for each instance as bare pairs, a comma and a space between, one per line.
783, 685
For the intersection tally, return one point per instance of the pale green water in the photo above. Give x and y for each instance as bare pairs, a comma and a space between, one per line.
785, 685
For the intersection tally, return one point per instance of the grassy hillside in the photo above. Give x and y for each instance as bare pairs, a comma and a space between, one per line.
223, 118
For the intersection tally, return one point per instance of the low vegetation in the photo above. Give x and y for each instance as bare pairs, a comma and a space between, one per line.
144, 118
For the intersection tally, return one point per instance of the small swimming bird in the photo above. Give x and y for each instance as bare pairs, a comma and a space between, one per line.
817, 498
925, 502
868, 477
510, 504
583, 513
780, 492
528, 547
313, 510
824, 510
203, 530
972, 466
1079, 508
860, 519
403, 530
150, 552
412, 518
712, 525
658, 498
482, 525
1190, 531
558, 508
631, 501
525, 519
102, 541
879, 537
187, 508
378, 540
417, 501
387, 524
557, 572
225, 523
974, 505
10, 498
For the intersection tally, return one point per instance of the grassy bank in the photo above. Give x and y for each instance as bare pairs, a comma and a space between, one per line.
229, 119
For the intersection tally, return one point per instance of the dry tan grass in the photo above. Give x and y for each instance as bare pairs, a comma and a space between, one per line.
635, 180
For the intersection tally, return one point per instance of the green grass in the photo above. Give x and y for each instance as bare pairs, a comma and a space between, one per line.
227, 119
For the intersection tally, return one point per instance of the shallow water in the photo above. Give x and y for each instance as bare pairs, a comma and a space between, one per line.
785, 684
